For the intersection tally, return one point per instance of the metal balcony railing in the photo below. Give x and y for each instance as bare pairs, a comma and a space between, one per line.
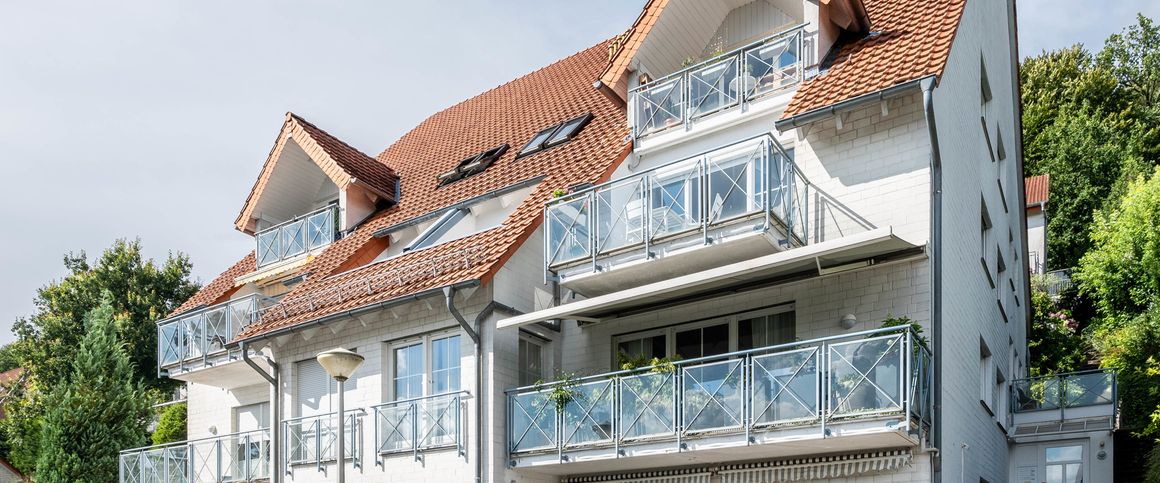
883, 372
295, 237
770, 65
311, 440
234, 457
418, 424
198, 338
1062, 391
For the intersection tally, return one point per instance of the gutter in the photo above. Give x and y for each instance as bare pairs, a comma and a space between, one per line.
476, 333
935, 247
275, 410
809, 117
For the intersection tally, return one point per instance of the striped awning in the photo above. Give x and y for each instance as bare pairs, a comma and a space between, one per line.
804, 469
799, 469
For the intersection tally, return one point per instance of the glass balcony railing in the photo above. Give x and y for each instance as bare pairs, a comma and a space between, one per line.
198, 338
415, 425
740, 181
884, 372
767, 66
295, 237
312, 440
1064, 391
233, 457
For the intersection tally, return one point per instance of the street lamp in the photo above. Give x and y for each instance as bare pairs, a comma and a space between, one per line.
340, 364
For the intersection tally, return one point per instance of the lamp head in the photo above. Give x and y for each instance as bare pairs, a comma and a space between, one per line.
340, 363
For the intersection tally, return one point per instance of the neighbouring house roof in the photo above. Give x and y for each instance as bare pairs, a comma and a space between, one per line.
1036, 188
343, 164
339, 278
909, 40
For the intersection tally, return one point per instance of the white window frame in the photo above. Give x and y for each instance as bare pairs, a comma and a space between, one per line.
545, 356
670, 332
425, 341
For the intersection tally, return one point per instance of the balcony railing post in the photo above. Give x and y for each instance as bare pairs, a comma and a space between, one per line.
904, 387
747, 396
415, 431
318, 444
592, 220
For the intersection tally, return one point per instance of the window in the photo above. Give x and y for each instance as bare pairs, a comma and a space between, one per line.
251, 417
997, 398
986, 375
530, 359
250, 452
984, 240
555, 135
314, 388
720, 335
437, 229
1064, 464
984, 83
426, 366
472, 165
1000, 149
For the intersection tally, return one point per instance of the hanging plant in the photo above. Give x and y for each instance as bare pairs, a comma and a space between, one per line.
563, 391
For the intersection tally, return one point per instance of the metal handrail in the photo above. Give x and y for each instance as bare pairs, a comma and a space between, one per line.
307, 245
316, 422
421, 422
1061, 399
223, 460
606, 410
174, 339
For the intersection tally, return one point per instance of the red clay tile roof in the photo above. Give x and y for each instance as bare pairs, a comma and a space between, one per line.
343, 164
511, 113
220, 287
623, 48
10, 376
1036, 188
910, 39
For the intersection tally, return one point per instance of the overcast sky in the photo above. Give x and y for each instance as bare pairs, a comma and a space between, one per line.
151, 118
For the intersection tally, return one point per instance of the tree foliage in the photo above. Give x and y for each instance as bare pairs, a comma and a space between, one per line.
1054, 344
101, 409
171, 426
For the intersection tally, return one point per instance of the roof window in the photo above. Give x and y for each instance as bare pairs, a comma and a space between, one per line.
555, 135
472, 165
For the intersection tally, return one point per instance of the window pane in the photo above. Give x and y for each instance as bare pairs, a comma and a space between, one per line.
531, 362
1065, 453
445, 365
716, 340
537, 142
644, 347
567, 131
689, 344
409, 371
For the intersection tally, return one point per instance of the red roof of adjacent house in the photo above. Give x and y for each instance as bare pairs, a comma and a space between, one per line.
338, 280
909, 40
1037, 188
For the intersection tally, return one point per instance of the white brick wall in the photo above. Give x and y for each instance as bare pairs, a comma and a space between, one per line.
213, 407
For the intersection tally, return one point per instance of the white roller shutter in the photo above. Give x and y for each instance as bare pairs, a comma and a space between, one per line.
313, 388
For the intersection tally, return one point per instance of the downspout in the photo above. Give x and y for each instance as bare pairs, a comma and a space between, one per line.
275, 410
927, 85
473, 332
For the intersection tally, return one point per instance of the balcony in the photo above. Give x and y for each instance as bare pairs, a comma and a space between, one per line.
726, 82
859, 391
234, 457
421, 424
312, 440
1061, 403
298, 236
729, 204
197, 339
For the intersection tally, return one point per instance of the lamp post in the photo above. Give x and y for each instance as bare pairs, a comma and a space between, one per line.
340, 364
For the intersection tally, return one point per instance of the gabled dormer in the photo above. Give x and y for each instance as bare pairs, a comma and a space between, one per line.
311, 189
699, 65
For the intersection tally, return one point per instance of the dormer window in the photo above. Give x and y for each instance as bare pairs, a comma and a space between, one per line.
555, 135
472, 165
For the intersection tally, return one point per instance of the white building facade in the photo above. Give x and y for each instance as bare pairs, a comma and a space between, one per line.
745, 241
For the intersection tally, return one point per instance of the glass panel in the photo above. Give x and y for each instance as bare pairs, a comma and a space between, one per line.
712, 397
785, 386
293, 238
675, 203
588, 416
269, 247
195, 335
396, 427
320, 229
620, 215
659, 107
241, 314
217, 329
647, 406
440, 419
735, 182
531, 360
645, 348
533, 421
409, 371
1088, 389
568, 231
1065, 453
537, 142
703, 341
566, 132
864, 376
171, 342
766, 330
773, 66
445, 365
715, 87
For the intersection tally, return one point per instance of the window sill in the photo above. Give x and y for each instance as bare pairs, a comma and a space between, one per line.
987, 271
987, 408
1002, 311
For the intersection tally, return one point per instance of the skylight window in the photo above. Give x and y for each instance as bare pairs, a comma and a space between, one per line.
555, 135
472, 165
437, 229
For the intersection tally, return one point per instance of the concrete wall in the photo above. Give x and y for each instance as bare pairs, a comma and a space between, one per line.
972, 176
213, 407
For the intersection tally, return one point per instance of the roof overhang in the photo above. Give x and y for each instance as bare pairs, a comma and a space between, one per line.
830, 256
